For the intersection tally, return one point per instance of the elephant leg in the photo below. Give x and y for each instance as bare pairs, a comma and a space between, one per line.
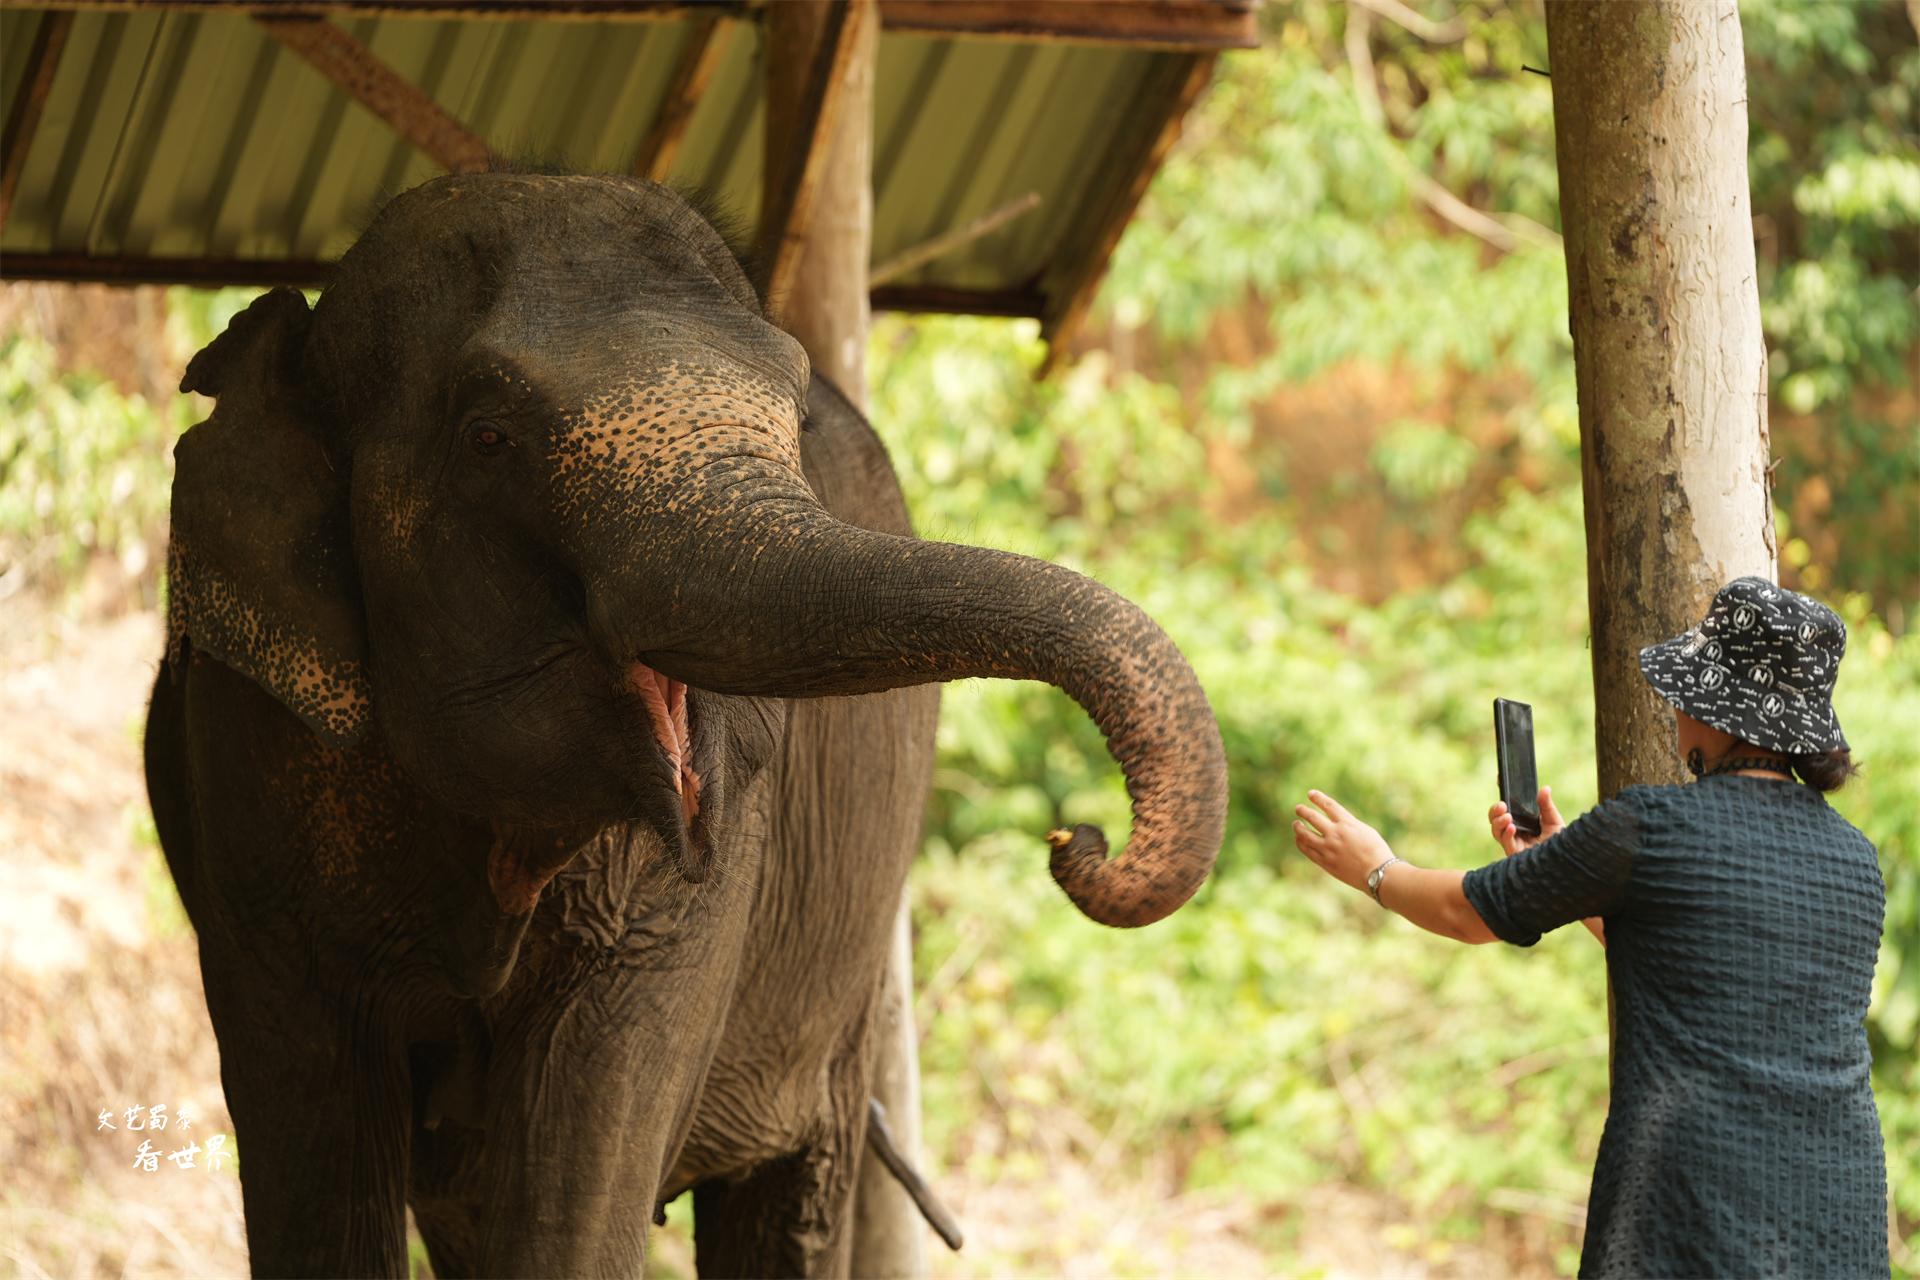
579, 1130
600, 1050
793, 1215
788, 1217
320, 1111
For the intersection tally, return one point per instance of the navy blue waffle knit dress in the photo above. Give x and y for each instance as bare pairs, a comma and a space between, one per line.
1743, 919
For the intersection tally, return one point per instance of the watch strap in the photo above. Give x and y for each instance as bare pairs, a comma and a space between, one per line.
1377, 874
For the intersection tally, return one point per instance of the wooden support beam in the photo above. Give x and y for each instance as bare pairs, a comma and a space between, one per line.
1152, 24
29, 100
699, 56
376, 86
941, 245
881, 1142
463, 10
1146, 24
311, 273
793, 170
206, 272
1071, 295
1024, 303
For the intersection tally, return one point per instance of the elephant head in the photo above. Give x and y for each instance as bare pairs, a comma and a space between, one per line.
524, 490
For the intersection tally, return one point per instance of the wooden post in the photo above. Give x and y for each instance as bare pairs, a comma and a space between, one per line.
1650, 124
811, 94
823, 299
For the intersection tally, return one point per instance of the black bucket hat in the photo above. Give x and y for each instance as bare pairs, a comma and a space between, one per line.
1760, 666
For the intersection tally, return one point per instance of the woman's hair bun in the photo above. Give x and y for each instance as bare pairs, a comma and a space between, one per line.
1824, 770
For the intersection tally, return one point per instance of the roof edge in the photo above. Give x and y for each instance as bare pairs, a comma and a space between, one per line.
312, 273
1191, 25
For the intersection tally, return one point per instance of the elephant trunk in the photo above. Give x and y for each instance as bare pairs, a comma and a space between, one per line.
805, 606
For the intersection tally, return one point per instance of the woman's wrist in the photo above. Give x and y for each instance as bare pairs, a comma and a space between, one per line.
1378, 875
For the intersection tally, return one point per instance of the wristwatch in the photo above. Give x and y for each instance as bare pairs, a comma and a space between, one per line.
1374, 877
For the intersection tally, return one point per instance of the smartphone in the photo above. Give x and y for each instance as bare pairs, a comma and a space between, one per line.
1519, 784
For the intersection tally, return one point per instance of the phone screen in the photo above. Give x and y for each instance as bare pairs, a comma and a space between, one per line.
1519, 784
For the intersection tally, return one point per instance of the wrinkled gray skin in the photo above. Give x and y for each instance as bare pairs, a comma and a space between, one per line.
486, 927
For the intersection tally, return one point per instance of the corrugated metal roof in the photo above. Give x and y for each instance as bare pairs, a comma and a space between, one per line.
194, 137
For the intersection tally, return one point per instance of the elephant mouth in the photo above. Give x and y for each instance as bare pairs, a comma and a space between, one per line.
666, 703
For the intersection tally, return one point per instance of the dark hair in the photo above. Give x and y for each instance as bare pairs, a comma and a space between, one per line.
1824, 770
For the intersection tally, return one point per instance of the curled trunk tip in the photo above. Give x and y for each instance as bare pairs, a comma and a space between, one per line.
1145, 884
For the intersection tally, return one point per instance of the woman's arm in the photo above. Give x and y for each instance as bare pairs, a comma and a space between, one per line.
1512, 841
1433, 900
1348, 850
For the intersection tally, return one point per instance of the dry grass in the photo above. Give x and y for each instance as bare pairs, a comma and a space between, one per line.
100, 1001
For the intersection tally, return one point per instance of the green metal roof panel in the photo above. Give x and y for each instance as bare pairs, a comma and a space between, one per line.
178, 134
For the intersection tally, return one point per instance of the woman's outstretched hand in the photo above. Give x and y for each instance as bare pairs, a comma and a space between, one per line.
1338, 843
1510, 838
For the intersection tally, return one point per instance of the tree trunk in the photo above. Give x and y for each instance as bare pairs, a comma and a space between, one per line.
1650, 132
1650, 122
827, 309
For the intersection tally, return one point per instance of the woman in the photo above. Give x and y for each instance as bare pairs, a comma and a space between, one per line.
1742, 920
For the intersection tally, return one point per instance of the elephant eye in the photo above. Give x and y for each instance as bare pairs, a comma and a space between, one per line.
486, 437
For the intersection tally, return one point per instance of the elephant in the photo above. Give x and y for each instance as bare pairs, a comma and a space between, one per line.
542, 734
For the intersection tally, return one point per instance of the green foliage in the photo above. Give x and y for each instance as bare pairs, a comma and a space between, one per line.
1421, 461
1280, 1031
84, 470
1835, 168
201, 315
1294, 204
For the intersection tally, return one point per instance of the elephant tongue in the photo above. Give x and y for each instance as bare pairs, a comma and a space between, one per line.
666, 703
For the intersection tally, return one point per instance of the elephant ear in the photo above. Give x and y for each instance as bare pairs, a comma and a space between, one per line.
260, 569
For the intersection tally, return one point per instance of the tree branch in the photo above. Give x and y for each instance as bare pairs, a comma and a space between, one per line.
1506, 232
1454, 28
